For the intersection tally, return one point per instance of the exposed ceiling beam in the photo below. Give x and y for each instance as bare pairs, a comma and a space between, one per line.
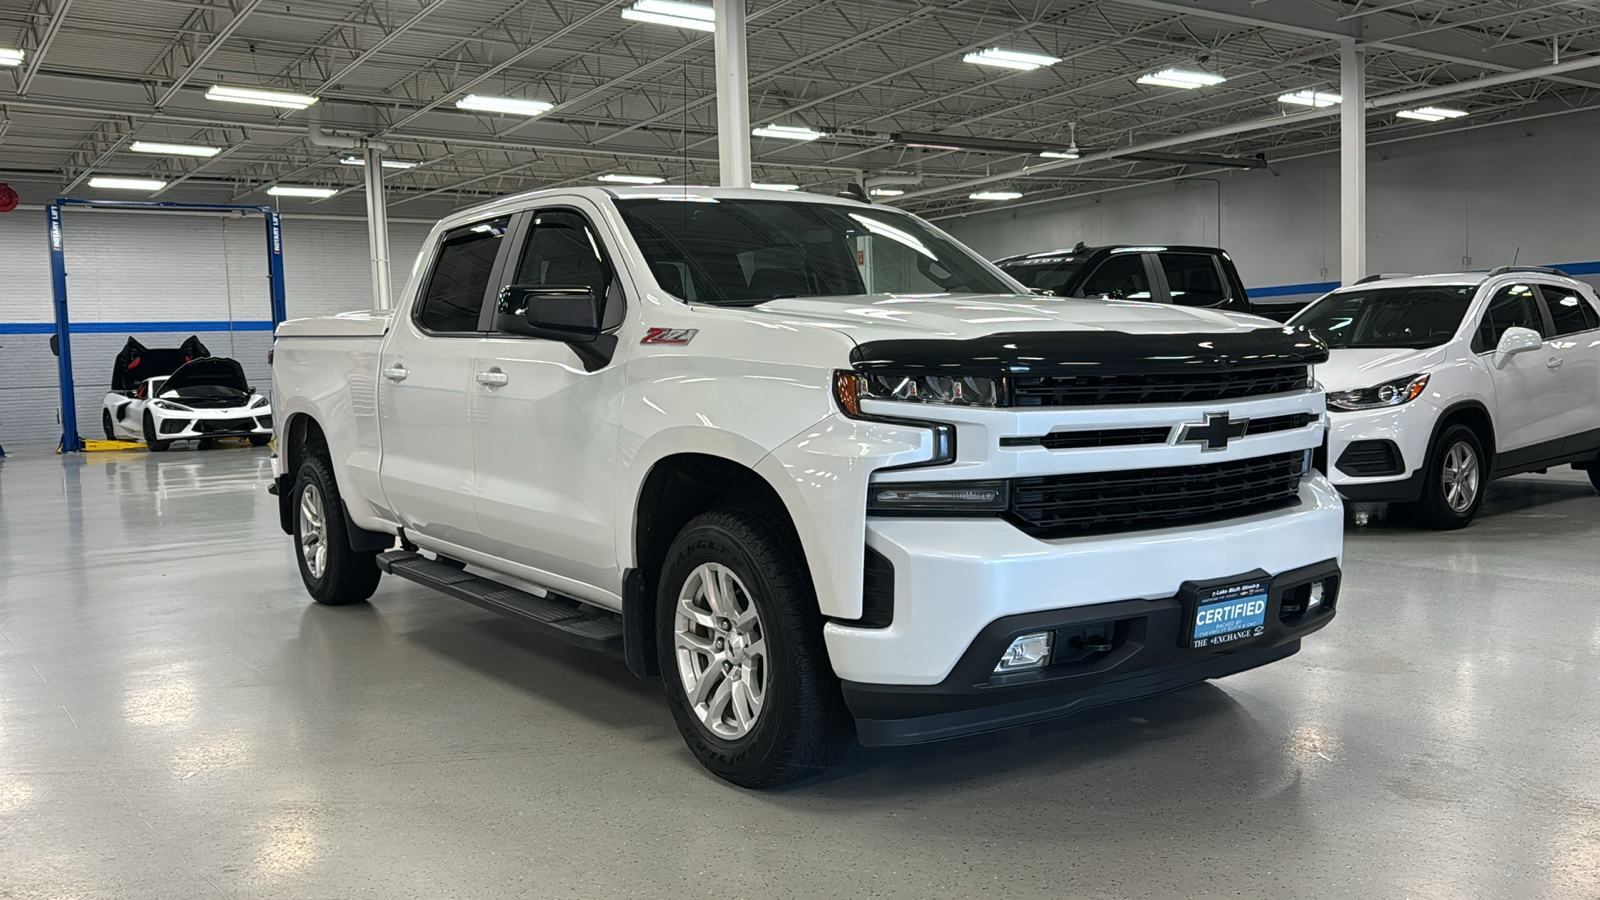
240, 13
381, 43
37, 54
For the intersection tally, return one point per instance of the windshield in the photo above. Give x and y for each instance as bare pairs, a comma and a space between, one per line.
749, 251
1048, 274
1398, 317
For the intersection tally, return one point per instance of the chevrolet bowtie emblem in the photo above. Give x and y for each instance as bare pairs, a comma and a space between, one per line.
1215, 434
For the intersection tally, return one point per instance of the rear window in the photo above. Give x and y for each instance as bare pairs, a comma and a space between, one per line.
1569, 312
1194, 279
460, 277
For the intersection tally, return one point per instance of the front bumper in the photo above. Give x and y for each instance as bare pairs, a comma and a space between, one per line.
1144, 656
1408, 428
199, 425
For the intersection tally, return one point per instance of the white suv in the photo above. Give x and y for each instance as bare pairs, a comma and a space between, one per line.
1437, 384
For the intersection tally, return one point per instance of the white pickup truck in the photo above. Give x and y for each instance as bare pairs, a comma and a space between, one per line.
819, 465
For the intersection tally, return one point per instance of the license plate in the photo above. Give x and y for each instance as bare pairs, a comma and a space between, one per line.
1229, 613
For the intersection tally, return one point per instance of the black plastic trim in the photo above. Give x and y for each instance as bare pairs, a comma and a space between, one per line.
638, 626
1371, 458
1400, 490
1144, 658
1094, 353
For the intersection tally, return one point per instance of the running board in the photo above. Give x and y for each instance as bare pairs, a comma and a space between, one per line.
560, 617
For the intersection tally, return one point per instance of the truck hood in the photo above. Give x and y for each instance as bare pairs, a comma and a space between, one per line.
874, 318
1349, 370
1002, 335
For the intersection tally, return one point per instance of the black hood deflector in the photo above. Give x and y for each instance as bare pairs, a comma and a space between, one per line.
1093, 353
213, 371
137, 362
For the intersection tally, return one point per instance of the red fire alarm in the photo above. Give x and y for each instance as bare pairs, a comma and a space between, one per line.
8, 198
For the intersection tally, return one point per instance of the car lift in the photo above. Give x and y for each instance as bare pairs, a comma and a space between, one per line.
70, 441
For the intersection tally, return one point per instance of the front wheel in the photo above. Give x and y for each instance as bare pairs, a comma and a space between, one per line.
333, 572
105, 424
150, 442
739, 640
260, 440
1456, 474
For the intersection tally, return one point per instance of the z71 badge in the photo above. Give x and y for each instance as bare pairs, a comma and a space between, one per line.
669, 335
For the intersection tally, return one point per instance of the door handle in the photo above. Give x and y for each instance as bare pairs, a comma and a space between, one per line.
1553, 362
493, 378
396, 373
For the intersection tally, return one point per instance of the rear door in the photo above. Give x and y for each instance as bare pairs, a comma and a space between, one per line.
1574, 352
545, 434
1524, 409
425, 371
1197, 279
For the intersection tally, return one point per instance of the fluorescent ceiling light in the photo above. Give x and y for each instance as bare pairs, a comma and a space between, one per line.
289, 190
1181, 78
886, 192
776, 187
1010, 59
1430, 114
669, 12
510, 106
387, 164
173, 149
787, 132
1311, 98
631, 179
10, 57
1069, 153
258, 97
995, 195
128, 184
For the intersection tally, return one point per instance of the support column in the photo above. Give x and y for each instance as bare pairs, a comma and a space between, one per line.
1352, 163
377, 227
733, 94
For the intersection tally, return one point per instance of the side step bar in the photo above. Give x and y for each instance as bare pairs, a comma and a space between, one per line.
560, 617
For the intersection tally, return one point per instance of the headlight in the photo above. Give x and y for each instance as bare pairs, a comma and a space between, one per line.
935, 498
169, 406
258, 403
950, 390
1390, 393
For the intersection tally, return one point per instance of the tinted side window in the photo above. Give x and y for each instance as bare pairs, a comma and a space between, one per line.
460, 277
562, 250
1512, 306
1122, 276
1568, 310
1194, 279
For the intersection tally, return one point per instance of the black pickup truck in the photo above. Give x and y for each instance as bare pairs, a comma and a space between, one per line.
1185, 275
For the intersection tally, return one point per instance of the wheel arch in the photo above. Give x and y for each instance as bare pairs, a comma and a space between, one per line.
1474, 415
678, 487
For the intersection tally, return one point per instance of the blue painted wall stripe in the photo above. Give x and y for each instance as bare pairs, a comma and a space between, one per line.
132, 327
1289, 290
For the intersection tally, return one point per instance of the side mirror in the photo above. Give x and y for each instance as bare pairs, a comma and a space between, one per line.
568, 313
1516, 340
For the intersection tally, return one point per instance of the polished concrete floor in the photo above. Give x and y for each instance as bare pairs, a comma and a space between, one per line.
177, 720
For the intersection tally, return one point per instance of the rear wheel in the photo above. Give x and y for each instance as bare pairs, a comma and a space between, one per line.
1452, 489
739, 640
333, 572
150, 442
105, 424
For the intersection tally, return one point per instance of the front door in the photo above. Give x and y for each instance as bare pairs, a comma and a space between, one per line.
545, 430
1522, 383
424, 375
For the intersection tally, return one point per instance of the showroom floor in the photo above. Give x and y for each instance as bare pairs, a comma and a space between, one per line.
177, 720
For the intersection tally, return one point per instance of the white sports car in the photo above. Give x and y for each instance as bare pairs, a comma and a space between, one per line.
159, 396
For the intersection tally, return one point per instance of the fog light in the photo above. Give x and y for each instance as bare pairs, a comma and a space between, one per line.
1317, 590
1030, 651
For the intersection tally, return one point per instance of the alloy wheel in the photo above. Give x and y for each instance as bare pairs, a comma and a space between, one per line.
1461, 477
721, 650
313, 531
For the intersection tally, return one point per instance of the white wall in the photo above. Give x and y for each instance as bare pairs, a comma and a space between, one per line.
1463, 200
162, 270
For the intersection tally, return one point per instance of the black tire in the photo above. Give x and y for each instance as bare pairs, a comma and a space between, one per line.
260, 440
802, 723
347, 575
1439, 507
105, 424
150, 442
1594, 474
206, 444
